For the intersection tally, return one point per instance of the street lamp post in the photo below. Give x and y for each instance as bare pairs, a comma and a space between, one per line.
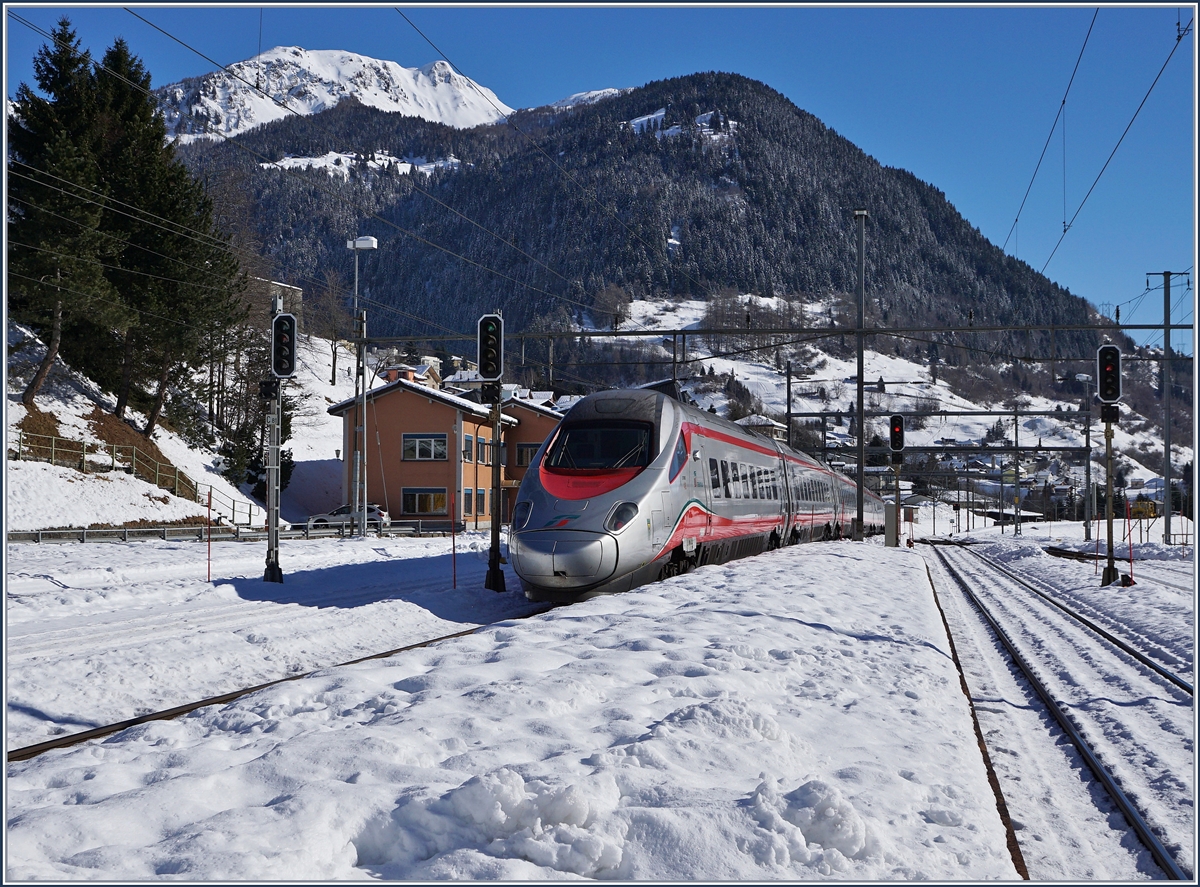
360, 392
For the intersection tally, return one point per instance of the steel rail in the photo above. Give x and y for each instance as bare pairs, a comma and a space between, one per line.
1083, 620
1128, 810
32, 751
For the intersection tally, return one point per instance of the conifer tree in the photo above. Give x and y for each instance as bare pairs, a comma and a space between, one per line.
55, 202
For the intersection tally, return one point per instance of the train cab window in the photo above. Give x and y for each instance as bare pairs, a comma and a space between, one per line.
725, 480
714, 477
679, 459
601, 446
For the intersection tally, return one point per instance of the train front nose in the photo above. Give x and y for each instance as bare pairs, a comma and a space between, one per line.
563, 559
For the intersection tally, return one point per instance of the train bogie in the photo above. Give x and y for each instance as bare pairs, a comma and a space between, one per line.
634, 486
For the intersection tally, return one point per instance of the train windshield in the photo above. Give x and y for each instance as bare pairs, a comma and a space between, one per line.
601, 446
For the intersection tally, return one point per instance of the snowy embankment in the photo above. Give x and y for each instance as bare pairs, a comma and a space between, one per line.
746, 721
40, 496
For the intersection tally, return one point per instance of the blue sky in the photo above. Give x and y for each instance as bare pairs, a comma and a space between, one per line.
962, 97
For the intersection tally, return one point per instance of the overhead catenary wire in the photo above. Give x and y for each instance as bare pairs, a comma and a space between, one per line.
335, 195
1067, 226
75, 292
94, 261
416, 188
105, 234
570, 178
1061, 110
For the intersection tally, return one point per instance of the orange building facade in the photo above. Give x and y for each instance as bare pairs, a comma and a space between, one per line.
429, 453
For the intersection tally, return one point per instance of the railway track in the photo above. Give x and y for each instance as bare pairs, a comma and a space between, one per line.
32, 751
121, 632
1132, 735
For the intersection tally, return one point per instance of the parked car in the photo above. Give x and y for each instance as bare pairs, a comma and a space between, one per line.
376, 517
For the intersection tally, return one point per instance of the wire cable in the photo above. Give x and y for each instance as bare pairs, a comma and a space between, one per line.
94, 261
288, 108
1178, 40
583, 190
335, 195
1061, 109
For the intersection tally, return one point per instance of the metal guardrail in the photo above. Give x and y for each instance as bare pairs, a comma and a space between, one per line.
228, 533
99, 458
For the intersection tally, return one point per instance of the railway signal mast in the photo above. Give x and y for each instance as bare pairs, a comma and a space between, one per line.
491, 370
1108, 389
283, 366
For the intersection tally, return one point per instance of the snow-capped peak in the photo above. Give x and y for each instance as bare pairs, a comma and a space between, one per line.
230, 102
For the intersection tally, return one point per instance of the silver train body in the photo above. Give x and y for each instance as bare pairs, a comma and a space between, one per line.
634, 486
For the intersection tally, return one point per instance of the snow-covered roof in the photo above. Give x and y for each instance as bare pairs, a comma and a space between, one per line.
756, 421
458, 403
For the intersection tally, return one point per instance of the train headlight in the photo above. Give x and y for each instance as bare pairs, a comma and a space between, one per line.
621, 515
521, 515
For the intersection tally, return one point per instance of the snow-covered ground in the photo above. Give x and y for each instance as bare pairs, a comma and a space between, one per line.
339, 163
748, 721
40, 496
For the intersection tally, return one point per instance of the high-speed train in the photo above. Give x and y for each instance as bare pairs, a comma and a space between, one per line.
634, 486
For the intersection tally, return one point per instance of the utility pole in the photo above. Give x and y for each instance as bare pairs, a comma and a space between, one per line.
1087, 464
495, 573
360, 393
1166, 389
362, 418
789, 403
1111, 575
860, 216
1016, 468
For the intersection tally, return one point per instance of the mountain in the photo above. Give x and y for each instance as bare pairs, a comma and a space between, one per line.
311, 81
687, 186
711, 187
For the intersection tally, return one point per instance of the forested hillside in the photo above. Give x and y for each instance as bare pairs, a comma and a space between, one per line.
758, 197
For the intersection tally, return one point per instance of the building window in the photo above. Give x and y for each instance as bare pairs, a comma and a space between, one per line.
480, 502
525, 454
420, 447
468, 448
468, 507
481, 451
423, 500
